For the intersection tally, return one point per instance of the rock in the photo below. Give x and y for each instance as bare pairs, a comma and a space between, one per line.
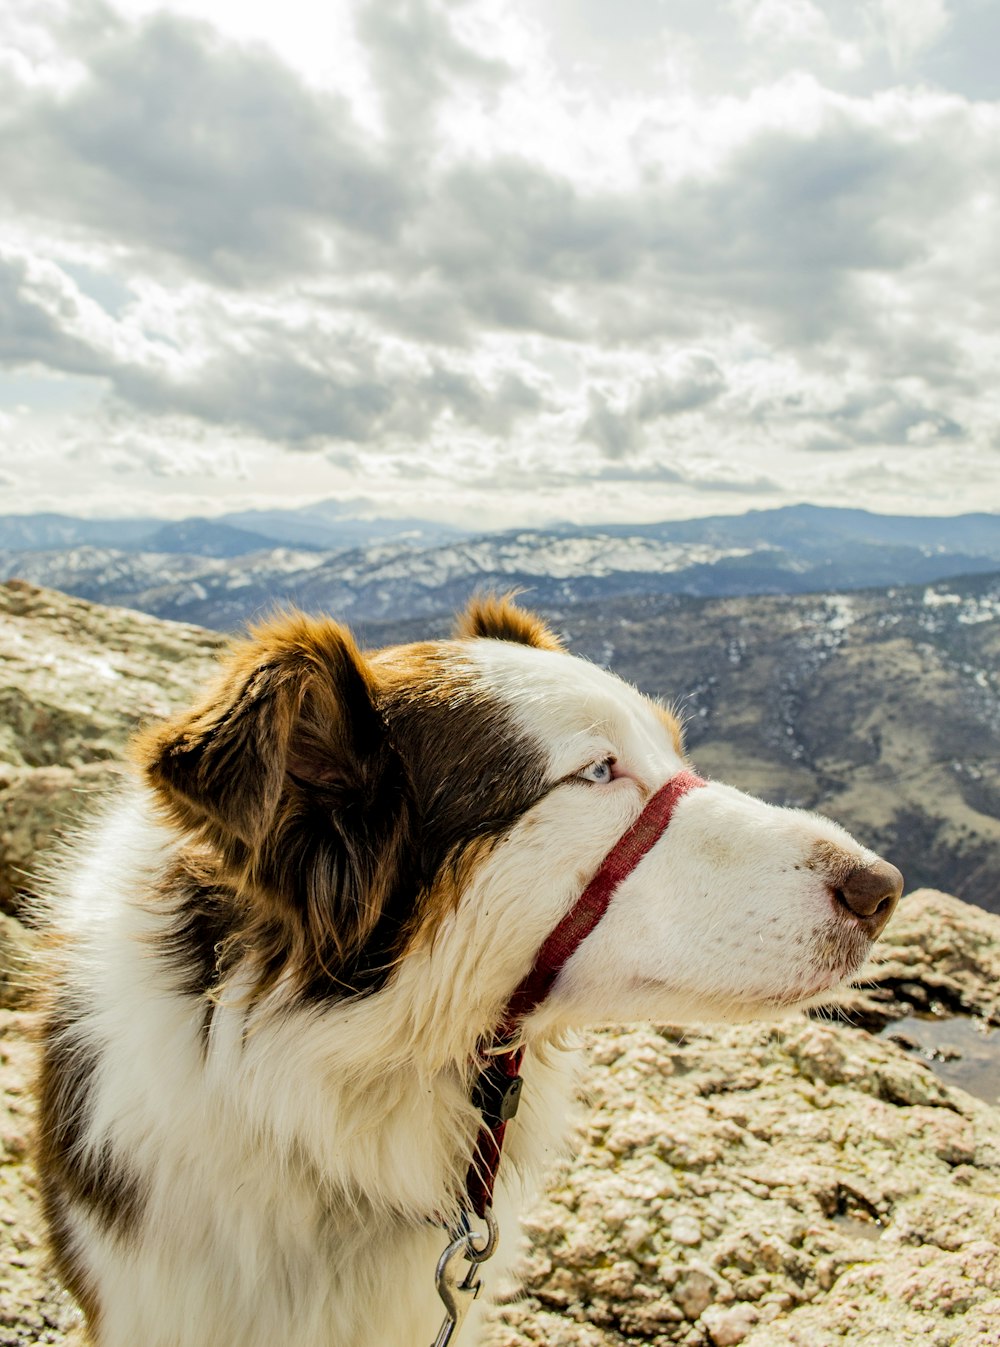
78, 679
33, 1308
693, 1293
16, 947
685, 1231
936, 951
726, 1327
39, 805
840, 1193
799, 1184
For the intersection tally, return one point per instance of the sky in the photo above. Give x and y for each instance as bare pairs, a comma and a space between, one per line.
499, 262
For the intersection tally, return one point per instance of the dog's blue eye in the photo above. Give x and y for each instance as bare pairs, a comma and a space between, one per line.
598, 772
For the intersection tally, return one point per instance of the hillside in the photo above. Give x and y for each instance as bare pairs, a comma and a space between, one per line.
77, 678
801, 1184
880, 708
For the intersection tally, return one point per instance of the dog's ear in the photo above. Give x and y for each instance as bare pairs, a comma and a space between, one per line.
499, 618
287, 772
294, 703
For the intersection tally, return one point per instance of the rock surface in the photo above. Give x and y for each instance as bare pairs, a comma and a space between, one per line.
802, 1184
16, 946
33, 1309
77, 679
937, 954
798, 1184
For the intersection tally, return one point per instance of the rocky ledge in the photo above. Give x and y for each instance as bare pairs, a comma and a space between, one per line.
801, 1184
792, 1186
77, 680
797, 1184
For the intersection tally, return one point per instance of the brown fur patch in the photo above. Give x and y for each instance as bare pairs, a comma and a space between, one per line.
66, 1260
498, 618
445, 894
325, 792
673, 724
832, 862
64, 1255
285, 776
473, 774
205, 938
100, 1183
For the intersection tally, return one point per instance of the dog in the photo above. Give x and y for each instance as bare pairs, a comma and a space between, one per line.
298, 968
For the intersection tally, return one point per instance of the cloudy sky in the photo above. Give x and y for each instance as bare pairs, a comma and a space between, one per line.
500, 261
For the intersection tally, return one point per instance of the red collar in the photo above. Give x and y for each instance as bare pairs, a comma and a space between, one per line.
498, 1086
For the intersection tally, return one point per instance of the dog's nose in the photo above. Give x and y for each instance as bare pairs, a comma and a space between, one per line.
871, 893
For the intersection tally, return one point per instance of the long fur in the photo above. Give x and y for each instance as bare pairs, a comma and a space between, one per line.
272, 960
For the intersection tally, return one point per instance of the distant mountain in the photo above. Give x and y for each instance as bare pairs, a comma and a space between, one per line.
222, 572
880, 708
217, 591
326, 526
820, 529
34, 532
204, 538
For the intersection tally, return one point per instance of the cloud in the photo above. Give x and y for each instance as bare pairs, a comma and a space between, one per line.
614, 432
911, 27
305, 389
44, 318
216, 155
888, 416
795, 25
270, 390
815, 194
758, 244
302, 384
175, 141
416, 61
653, 471
684, 381
687, 380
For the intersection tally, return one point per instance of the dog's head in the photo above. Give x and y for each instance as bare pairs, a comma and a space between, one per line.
431, 811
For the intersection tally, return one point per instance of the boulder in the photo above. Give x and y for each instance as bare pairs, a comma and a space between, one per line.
16, 949
78, 679
793, 1185
937, 955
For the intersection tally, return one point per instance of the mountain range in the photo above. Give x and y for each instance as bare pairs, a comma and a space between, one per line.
880, 708
324, 526
222, 572
816, 1167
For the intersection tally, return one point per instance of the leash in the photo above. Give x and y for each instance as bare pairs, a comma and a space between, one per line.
497, 1089
457, 1289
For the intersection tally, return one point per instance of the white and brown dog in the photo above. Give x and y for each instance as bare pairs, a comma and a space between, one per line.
282, 961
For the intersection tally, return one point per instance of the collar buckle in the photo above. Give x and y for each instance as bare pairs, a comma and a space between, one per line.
497, 1093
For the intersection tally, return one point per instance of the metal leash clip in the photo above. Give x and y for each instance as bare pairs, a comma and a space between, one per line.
459, 1285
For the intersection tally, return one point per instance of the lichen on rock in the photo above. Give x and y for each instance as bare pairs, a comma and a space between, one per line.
796, 1183
77, 680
